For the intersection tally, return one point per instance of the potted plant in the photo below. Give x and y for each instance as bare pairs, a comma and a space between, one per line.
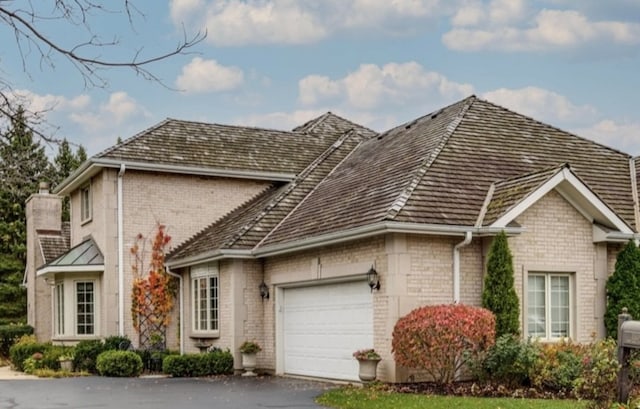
368, 361
66, 361
249, 349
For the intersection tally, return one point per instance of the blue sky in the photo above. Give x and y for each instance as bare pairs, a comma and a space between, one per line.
574, 64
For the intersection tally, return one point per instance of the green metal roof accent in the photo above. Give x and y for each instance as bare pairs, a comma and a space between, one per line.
86, 253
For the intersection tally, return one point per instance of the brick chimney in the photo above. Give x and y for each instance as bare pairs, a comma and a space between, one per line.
43, 212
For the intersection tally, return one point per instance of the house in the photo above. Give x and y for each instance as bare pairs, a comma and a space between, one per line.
278, 235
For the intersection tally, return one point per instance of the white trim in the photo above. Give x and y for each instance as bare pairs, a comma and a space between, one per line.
86, 215
552, 183
120, 221
94, 165
634, 190
98, 268
572, 285
204, 272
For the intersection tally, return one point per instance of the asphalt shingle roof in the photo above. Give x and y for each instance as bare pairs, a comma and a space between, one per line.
54, 243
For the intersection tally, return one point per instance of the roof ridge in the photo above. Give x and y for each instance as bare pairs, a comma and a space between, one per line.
406, 193
290, 187
325, 154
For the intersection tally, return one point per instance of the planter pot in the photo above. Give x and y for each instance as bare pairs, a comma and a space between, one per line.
368, 369
249, 364
66, 365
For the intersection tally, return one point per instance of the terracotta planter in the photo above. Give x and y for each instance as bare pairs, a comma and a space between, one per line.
249, 364
368, 369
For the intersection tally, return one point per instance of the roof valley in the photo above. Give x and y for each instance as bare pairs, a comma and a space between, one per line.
308, 171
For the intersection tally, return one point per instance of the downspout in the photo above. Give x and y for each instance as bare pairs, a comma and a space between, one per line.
456, 266
120, 254
180, 306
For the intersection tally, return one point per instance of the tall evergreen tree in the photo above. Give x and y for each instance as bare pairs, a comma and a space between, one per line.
64, 164
23, 164
499, 293
623, 288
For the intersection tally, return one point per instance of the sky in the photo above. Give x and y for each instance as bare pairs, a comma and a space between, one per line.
574, 64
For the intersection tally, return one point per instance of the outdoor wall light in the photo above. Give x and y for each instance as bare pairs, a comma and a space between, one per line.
372, 279
264, 290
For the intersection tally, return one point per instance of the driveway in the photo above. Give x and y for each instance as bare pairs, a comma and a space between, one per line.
160, 393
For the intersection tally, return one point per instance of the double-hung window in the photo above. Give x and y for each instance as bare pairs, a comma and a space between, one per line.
205, 295
549, 305
85, 203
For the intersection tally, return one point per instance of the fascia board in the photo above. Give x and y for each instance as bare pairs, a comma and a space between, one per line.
48, 270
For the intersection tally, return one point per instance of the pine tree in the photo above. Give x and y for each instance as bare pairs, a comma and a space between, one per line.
499, 294
64, 164
623, 287
23, 164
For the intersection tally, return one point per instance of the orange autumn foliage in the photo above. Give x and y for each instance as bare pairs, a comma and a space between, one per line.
153, 293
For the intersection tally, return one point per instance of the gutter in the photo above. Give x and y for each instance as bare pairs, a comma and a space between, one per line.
181, 307
456, 265
377, 229
120, 221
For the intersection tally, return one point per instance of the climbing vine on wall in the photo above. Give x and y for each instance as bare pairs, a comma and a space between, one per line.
153, 291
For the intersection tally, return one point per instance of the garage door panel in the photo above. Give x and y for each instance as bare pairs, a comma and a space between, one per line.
323, 325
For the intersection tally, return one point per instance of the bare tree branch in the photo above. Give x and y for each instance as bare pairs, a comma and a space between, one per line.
31, 39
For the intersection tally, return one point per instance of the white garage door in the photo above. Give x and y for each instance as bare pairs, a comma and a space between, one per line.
322, 327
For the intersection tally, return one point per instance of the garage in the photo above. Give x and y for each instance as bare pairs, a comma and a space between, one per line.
323, 325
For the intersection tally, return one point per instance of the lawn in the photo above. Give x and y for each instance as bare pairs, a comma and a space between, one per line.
372, 398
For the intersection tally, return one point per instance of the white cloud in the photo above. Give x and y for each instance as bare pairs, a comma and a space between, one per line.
371, 85
119, 109
541, 104
624, 136
548, 30
235, 22
200, 76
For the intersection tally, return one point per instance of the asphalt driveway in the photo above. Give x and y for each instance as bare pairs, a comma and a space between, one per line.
160, 393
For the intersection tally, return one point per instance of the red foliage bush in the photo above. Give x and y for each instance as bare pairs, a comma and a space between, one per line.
443, 339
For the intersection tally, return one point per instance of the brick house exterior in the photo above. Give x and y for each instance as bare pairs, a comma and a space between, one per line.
307, 213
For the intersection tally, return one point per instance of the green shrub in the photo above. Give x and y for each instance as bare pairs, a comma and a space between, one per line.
623, 287
499, 294
212, 363
51, 356
558, 365
119, 364
86, 354
19, 352
9, 334
510, 361
117, 342
443, 339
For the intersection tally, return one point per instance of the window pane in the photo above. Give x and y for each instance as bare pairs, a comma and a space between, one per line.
536, 308
85, 308
205, 303
59, 308
559, 306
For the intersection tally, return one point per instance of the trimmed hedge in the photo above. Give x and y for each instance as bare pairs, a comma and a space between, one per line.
86, 355
9, 334
212, 363
119, 364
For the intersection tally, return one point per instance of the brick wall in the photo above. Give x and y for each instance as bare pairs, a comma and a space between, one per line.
559, 239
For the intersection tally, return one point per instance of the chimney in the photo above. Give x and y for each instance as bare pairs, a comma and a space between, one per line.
43, 211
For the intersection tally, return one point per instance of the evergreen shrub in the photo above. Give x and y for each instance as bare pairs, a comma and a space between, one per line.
119, 364
9, 334
217, 362
623, 287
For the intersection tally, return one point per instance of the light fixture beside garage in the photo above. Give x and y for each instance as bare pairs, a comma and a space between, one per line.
264, 290
372, 279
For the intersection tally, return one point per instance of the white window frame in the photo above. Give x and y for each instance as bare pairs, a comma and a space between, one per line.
59, 306
207, 273
86, 204
65, 290
548, 335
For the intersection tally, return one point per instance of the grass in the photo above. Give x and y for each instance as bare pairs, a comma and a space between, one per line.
376, 398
